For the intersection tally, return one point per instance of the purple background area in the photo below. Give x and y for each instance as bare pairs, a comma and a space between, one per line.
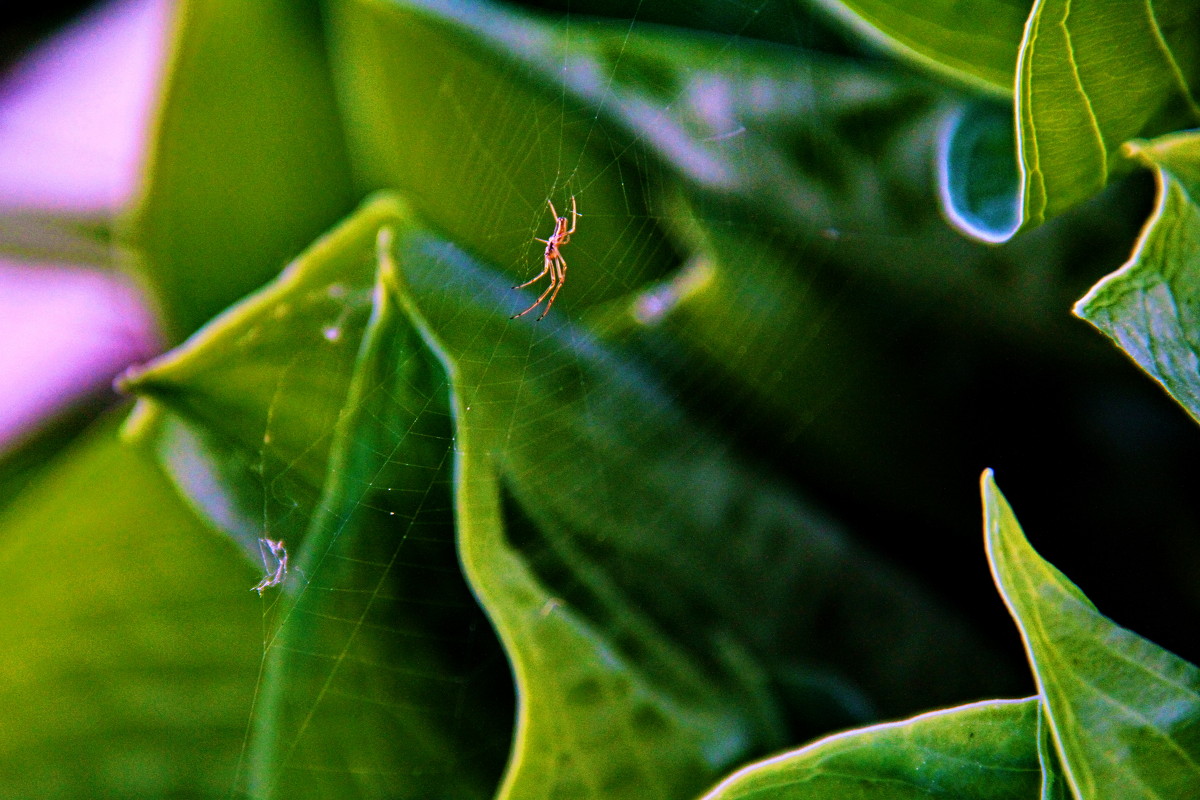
74, 119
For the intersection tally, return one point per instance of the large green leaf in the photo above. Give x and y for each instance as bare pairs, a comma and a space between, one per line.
1151, 306
384, 680
129, 644
304, 415
974, 42
1091, 76
247, 162
1124, 714
983, 750
325, 710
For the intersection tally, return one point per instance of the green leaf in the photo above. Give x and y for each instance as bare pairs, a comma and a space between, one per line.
129, 645
982, 750
1092, 76
308, 414
975, 42
242, 414
1124, 714
247, 163
602, 682
385, 681
1151, 306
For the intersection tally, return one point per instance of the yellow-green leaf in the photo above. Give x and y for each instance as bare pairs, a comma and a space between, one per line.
1151, 306
129, 644
982, 751
1123, 713
1092, 76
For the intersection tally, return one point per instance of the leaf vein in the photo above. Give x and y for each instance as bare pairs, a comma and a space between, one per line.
1078, 79
1169, 56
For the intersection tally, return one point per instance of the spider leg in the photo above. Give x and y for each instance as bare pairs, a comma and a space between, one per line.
574, 216
537, 277
550, 288
554, 281
561, 274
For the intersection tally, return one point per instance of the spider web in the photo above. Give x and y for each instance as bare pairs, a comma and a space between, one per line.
380, 674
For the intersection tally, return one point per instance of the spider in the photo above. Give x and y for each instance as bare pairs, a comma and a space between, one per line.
555, 264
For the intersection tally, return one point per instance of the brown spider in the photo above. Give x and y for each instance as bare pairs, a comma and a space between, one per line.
555, 264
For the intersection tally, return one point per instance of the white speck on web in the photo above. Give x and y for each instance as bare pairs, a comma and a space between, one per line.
272, 551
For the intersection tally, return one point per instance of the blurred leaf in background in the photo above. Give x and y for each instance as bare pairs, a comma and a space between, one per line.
129, 648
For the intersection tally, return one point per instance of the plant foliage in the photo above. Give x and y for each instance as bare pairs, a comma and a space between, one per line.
579, 558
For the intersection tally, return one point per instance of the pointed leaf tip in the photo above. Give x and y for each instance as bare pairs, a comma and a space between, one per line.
1103, 687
